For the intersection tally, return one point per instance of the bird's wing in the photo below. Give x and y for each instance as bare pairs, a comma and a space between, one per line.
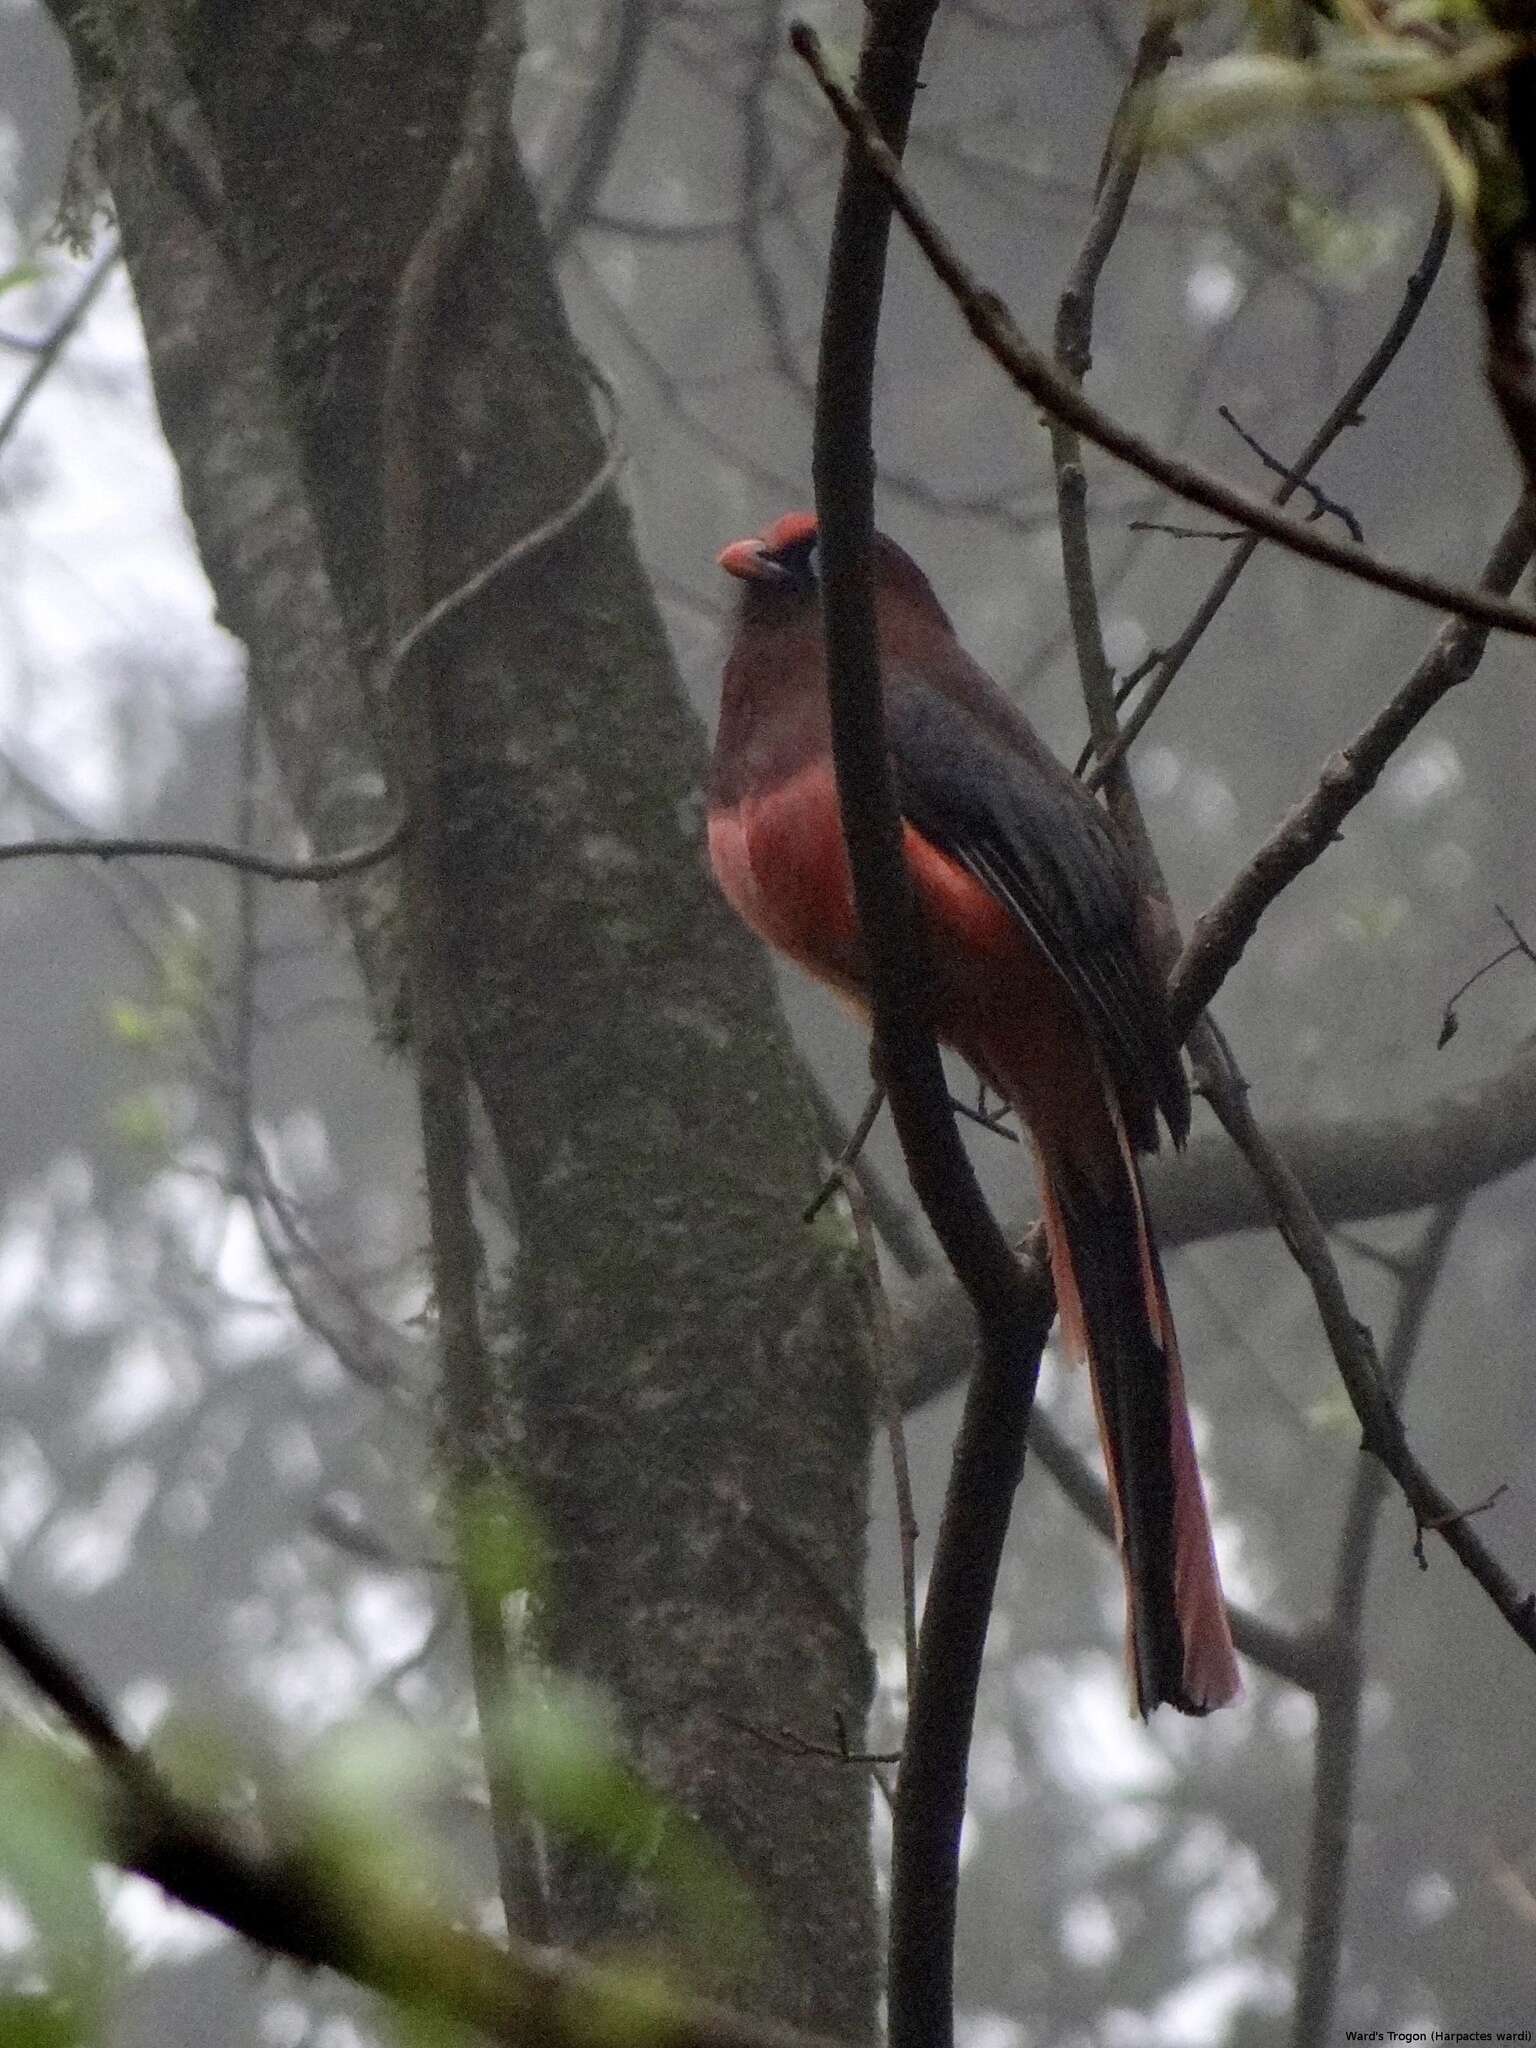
981, 787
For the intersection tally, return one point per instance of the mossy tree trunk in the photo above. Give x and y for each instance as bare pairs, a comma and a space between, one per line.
685, 1389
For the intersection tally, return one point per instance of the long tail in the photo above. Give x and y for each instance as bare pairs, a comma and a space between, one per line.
1114, 1310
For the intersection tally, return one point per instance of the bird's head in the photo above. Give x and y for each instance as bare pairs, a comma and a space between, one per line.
781, 568
783, 561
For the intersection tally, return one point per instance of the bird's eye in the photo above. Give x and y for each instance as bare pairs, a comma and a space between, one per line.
813, 561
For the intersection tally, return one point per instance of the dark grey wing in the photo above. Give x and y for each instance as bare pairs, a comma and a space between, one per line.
981, 787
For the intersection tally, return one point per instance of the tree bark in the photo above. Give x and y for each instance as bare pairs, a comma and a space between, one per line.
683, 1385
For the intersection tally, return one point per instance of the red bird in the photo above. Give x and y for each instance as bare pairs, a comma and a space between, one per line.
1047, 984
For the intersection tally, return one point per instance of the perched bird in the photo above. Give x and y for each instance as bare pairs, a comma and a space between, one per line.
1047, 983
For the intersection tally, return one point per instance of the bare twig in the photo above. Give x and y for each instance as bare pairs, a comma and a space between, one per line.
788, 1743
761, 184
1504, 262
57, 340
1438, 1524
326, 1302
847, 1157
1174, 533
64, 1687
877, 1315
996, 330
1297, 479
1519, 948
892, 1218
242, 1087
330, 867
990, 1121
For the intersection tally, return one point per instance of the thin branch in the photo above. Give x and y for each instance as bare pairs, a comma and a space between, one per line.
57, 340
523, 548
1221, 933
1519, 948
362, 1342
64, 1687
761, 184
1161, 670
996, 330
1174, 533
1013, 1317
1489, 1500
847, 1158
330, 867
243, 996
1074, 355
410, 693
893, 1220
603, 127
352, 860
1338, 1698
877, 1316
788, 1743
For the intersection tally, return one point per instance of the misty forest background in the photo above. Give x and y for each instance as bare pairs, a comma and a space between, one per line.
216, 1417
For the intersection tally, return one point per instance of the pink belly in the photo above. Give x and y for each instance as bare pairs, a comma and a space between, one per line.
782, 866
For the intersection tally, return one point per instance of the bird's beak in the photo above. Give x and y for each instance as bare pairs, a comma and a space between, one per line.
747, 558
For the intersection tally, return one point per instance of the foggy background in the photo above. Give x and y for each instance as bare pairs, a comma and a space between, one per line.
228, 1528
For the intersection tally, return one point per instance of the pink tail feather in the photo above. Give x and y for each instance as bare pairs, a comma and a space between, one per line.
1114, 1310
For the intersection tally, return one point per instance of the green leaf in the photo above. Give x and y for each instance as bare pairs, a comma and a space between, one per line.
48, 1844
15, 279
140, 1119
133, 1024
362, 1790
1341, 246
632, 2006
500, 1550
423, 2026
1241, 90
559, 1743
37, 2019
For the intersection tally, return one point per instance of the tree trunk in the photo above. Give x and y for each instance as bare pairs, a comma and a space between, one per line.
684, 1387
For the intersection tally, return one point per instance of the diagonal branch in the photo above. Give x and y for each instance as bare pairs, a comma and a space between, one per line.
1221, 933
58, 339
1164, 669
1074, 353
1354, 1351
283, 1896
